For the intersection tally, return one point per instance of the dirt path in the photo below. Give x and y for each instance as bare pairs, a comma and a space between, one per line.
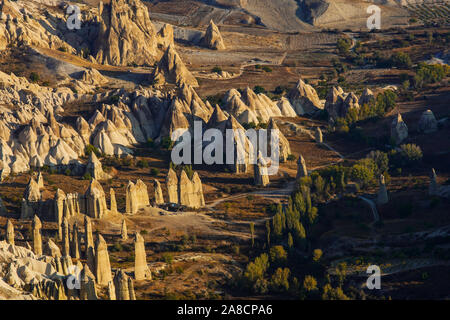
243, 66
373, 207
278, 194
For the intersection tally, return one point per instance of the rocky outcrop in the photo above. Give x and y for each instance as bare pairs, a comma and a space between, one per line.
172, 186
318, 136
304, 99
93, 77
382, 196
28, 276
59, 209
244, 150
284, 146
351, 102
159, 198
95, 200
124, 231
190, 191
198, 199
186, 189
102, 263
65, 238
126, 34
399, 130
40, 181
32, 135
112, 201
94, 168
52, 250
111, 291
251, 107
31, 200
367, 97
141, 270
75, 243
213, 38
136, 197
124, 286
334, 101
37, 237
89, 252
434, 187
286, 109
302, 171
437, 190
260, 172
10, 236
88, 290
428, 122
164, 37
2, 208
131, 289
171, 69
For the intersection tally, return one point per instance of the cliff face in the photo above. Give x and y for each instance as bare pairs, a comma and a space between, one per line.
310, 10
126, 35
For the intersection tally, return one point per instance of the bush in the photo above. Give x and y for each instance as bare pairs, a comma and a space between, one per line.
278, 255
216, 70
167, 258
317, 254
381, 159
411, 153
257, 269
90, 148
280, 280
167, 143
401, 60
87, 176
343, 45
189, 171
259, 89
142, 164
364, 171
34, 77
427, 74
310, 283
154, 172
291, 157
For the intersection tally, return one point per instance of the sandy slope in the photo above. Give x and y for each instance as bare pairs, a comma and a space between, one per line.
277, 14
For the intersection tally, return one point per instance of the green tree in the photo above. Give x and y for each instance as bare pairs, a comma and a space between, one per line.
290, 241
257, 269
309, 283
280, 280
317, 254
278, 255
411, 153
381, 160
330, 293
341, 272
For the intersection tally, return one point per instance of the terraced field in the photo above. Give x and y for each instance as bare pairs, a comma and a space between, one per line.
431, 13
